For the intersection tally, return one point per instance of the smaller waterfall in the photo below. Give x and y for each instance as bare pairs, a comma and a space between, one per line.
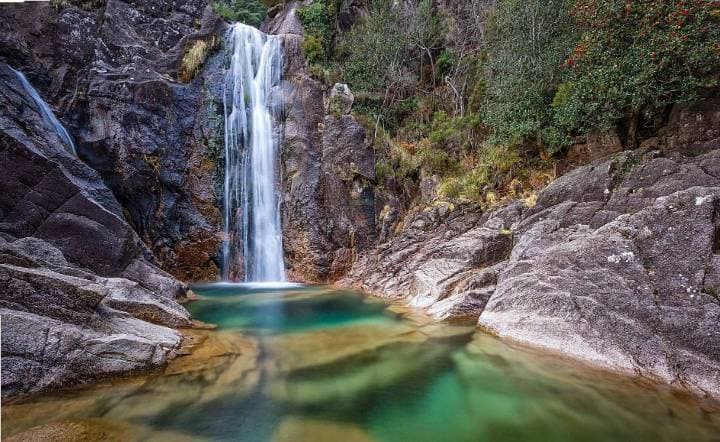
47, 113
251, 212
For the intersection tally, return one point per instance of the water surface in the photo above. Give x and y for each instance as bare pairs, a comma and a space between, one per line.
295, 363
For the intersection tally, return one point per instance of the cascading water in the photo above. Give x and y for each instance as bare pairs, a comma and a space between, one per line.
47, 113
251, 212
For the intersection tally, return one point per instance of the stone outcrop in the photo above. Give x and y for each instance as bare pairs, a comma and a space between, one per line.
80, 294
328, 168
111, 72
616, 264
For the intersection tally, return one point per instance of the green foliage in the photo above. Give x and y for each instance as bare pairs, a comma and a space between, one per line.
637, 58
529, 39
376, 49
457, 134
495, 167
390, 50
480, 96
391, 117
250, 12
314, 50
318, 20
435, 160
395, 163
444, 63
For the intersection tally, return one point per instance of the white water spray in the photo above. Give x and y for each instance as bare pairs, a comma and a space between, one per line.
251, 212
47, 113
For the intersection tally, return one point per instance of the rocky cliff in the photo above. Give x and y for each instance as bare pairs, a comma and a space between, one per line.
80, 295
328, 167
110, 69
617, 263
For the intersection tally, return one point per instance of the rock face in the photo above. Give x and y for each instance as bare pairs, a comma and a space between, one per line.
80, 295
111, 72
617, 263
328, 168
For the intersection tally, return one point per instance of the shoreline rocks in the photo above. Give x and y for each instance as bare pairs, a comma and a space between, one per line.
617, 265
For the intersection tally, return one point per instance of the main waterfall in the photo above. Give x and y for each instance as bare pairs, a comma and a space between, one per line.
251, 212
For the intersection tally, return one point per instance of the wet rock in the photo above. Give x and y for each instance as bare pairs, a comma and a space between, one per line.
445, 257
40, 353
221, 366
328, 171
300, 351
96, 429
129, 296
623, 295
350, 367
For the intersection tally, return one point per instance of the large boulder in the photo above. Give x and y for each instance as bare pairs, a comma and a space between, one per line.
616, 264
624, 278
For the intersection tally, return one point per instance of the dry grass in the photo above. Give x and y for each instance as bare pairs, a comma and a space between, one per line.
194, 58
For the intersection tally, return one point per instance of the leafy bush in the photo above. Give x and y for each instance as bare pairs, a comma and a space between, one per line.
634, 58
313, 47
529, 40
318, 20
389, 50
435, 160
457, 134
499, 171
250, 12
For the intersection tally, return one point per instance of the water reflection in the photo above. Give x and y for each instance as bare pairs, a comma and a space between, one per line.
317, 364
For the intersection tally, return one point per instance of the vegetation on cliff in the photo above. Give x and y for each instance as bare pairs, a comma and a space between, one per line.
251, 12
484, 94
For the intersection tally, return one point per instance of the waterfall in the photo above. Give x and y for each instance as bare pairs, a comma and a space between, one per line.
47, 113
251, 212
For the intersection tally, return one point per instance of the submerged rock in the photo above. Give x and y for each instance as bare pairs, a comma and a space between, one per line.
300, 429
97, 429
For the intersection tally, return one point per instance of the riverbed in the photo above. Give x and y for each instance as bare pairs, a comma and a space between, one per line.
303, 363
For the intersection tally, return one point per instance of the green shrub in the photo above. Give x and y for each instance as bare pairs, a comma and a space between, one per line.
434, 160
444, 63
250, 12
456, 134
318, 20
529, 40
635, 58
314, 50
